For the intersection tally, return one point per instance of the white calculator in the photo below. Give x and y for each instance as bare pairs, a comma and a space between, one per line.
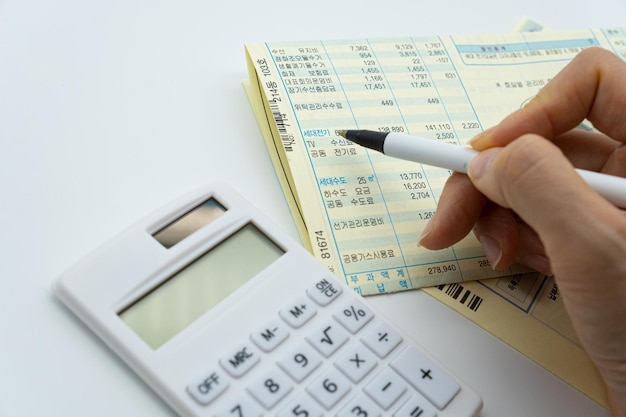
223, 314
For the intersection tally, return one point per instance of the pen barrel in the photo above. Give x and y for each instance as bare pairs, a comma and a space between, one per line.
612, 188
429, 151
457, 158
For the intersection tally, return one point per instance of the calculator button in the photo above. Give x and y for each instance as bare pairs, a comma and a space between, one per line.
386, 388
329, 388
305, 406
328, 337
360, 406
416, 406
357, 362
270, 335
240, 360
271, 387
208, 387
298, 312
434, 383
243, 405
324, 291
382, 339
354, 315
300, 362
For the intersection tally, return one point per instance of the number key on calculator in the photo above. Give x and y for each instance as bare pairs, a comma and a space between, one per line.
331, 354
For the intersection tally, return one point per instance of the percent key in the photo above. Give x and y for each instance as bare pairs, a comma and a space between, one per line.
353, 316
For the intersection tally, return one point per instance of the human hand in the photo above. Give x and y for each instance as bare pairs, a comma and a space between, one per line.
525, 203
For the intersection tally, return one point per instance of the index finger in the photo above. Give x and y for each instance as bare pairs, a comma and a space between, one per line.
591, 86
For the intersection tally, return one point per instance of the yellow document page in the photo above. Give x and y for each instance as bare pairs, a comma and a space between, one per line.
361, 213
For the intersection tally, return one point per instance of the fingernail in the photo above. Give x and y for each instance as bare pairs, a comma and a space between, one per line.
479, 165
538, 262
476, 140
427, 230
493, 252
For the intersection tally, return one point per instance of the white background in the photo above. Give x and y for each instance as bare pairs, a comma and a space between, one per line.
110, 109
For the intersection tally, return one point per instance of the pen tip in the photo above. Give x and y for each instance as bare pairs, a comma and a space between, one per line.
342, 133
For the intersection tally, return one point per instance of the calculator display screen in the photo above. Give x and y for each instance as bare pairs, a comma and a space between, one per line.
170, 307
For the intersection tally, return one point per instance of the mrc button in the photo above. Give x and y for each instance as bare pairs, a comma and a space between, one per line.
324, 291
240, 360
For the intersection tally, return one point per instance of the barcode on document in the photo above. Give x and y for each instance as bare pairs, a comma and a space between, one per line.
462, 295
281, 123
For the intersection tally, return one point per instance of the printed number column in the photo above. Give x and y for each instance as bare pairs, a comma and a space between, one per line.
432, 101
370, 252
457, 123
617, 38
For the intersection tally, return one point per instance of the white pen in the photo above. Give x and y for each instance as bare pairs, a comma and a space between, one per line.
457, 158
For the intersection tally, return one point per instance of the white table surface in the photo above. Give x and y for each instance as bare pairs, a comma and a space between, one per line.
110, 109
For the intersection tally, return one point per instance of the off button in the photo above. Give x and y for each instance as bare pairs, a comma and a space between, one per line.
208, 387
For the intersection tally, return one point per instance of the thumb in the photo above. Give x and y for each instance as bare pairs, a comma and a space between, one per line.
532, 177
